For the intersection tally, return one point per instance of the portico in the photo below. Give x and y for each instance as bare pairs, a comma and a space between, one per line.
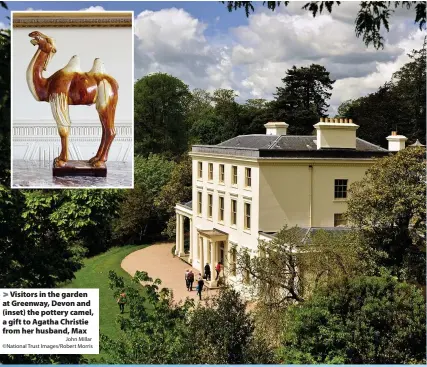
212, 248
183, 211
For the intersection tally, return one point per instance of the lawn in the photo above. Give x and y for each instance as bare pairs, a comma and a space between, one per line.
94, 274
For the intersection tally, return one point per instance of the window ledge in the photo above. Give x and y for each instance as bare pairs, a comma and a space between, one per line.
247, 230
233, 226
340, 200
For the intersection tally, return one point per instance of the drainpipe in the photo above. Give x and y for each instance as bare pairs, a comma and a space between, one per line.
310, 194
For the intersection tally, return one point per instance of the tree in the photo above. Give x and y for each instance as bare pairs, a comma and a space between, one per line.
293, 264
177, 190
397, 105
371, 18
155, 332
161, 102
388, 207
138, 216
372, 320
303, 98
32, 253
225, 332
87, 216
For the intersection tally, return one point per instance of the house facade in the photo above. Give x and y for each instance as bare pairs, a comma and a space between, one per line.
247, 188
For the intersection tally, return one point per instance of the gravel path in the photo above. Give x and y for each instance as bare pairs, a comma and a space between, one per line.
157, 260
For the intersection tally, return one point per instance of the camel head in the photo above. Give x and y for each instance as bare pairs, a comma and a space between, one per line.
46, 44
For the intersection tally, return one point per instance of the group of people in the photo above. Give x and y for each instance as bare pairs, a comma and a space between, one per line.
218, 268
189, 278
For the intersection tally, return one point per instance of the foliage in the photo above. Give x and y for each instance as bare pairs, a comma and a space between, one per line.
372, 320
33, 254
397, 105
303, 98
161, 102
155, 331
177, 190
94, 274
86, 216
224, 332
137, 214
160, 331
388, 207
372, 17
293, 264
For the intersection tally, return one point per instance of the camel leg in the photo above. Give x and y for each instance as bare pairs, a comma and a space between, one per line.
59, 105
106, 107
98, 154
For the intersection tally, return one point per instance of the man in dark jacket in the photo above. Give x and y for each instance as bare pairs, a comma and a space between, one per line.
207, 272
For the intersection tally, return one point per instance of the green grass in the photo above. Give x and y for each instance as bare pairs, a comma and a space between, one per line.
94, 274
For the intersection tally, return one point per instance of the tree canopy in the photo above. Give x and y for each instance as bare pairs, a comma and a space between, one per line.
370, 20
373, 320
388, 206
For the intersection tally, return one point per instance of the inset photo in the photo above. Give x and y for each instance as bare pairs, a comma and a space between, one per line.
72, 99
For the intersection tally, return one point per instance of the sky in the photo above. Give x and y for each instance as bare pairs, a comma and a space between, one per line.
208, 47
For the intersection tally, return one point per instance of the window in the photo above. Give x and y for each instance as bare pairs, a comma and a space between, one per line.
210, 171
199, 202
210, 203
221, 209
339, 220
247, 216
221, 173
248, 177
234, 175
233, 212
341, 189
200, 170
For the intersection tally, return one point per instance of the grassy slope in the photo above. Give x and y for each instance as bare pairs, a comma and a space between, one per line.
94, 274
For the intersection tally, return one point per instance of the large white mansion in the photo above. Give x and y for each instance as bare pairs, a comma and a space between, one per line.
247, 188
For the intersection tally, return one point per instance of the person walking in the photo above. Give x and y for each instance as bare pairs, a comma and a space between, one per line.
218, 269
207, 272
200, 285
122, 300
190, 278
186, 278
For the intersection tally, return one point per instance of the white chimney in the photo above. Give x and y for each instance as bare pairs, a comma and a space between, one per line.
396, 142
338, 133
276, 128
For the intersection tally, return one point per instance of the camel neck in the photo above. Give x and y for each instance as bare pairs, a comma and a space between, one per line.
36, 82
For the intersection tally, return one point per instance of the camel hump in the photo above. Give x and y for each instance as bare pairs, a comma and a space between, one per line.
98, 67
73, 65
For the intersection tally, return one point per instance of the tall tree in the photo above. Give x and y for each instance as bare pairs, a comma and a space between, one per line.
397, 105
161, 102
372, 320
388, 207
304, 97
371, 19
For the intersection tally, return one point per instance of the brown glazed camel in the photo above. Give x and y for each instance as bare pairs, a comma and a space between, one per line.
71, 86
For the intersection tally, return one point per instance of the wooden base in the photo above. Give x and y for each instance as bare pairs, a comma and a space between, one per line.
79, 168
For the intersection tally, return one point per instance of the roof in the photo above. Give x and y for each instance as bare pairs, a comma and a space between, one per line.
188, 204
276, 146
308, 231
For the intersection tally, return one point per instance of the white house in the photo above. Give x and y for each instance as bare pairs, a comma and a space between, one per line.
247, 188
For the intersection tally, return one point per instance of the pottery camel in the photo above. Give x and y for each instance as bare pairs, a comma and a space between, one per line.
71, 86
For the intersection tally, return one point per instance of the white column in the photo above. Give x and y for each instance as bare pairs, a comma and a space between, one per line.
213, 263
181, 236
177, 232
202, 255
190, 259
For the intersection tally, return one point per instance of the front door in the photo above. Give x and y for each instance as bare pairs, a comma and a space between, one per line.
221, 252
